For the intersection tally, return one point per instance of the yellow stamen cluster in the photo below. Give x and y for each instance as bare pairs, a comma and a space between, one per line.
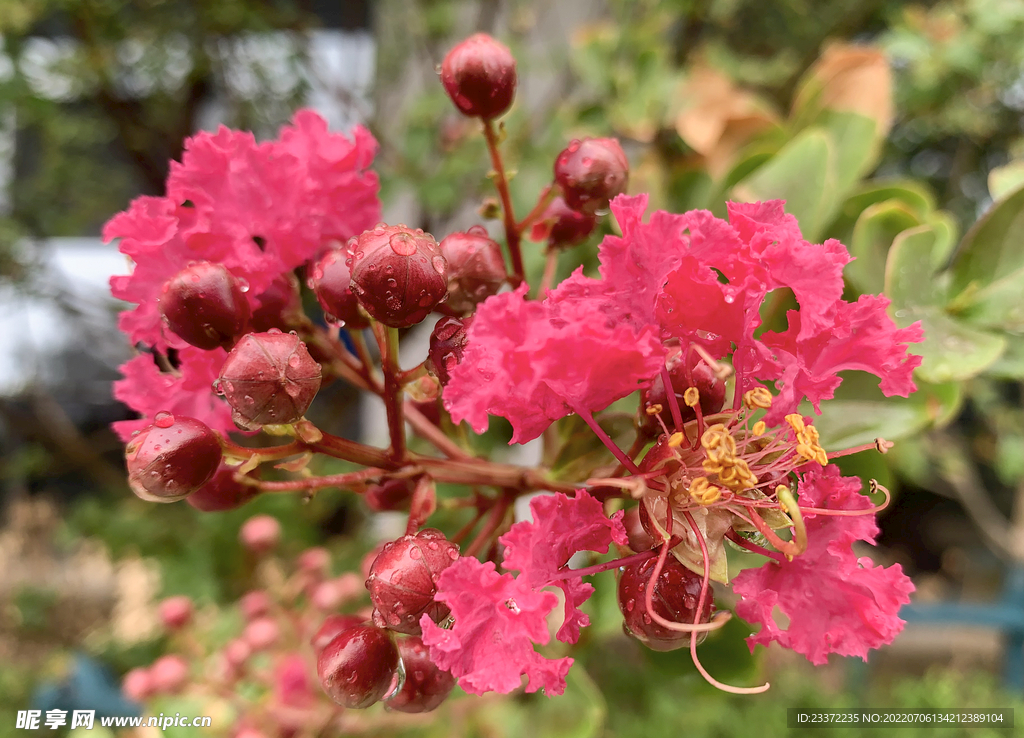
691, 396
757, 397
720, 450
703, 492
807, 441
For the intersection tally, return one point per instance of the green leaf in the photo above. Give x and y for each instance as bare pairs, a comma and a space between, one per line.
853, 139
951, 350
1010, 365
991, 249
873, 234
860, 413
1005, 179
801, 175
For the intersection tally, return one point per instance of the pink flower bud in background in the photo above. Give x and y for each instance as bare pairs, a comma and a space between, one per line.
261, 633
268, 379
331, 281
169, 674
254, 604
260, 534
314, 561
175, 612
137, 684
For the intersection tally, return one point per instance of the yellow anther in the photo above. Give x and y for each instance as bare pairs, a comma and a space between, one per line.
796, 422
758, 397
654, 409
703, 491
676, 440
759, 428
691, 396
806, 451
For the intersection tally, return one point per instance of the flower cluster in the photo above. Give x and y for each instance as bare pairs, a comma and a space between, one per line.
258, 209
723, 458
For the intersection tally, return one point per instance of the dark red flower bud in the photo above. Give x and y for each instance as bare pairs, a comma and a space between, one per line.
591, 172
476, 269
391, 494
222, 492
205, 305
268, 379
331, 281
260, 534
447, 344
479, 75
562, 226
639, 538
710, 391
175, 612
426, 686
357, 668
172, 458
398, 274
403, 580
332, 627
279, 305
675, 597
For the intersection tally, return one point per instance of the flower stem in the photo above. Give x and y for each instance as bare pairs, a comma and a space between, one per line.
333, 480
607, 566
588, 418
388, 338
546, 196
550, 267
512, 232
494, 521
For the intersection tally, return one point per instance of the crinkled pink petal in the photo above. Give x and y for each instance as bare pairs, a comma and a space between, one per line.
147, 391
535, 362
835, 602
497, 618
861, 336
561, 527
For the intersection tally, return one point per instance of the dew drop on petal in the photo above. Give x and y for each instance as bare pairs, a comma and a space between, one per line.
163, 419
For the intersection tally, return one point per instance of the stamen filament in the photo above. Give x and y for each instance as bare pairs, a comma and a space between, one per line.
617, 452
673, 401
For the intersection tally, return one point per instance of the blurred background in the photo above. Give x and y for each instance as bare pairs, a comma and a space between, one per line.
871, 117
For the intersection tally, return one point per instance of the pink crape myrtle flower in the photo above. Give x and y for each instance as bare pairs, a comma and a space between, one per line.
561, 527
260, 209
497, 619
534, 362
835, 601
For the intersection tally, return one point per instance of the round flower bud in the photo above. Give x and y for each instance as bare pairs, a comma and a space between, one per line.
137, 685
447, 344
280, 305
479, 75
674, 598
268, 379
261, 633
316, 560
402, 580
332, 627
169, 674
330, 280
237, 652
398, 274
260, 534
426, 686
172, 458
205, 305
222, 492
357, 667
562, 226
254, 604
591, 172
710, 390
476, 269
391, 494
175, 612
